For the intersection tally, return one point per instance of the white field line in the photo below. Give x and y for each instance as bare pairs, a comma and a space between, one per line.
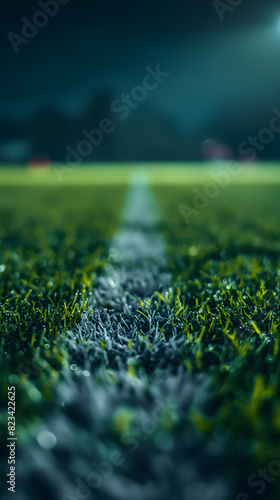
137, 257
138, 237
88, 399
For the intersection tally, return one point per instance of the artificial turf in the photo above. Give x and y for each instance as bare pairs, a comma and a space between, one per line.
226, 270
54, 244
223, 305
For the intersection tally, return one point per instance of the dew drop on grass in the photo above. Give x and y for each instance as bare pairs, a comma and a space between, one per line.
111, 283
193, 250
46, 440
73, 367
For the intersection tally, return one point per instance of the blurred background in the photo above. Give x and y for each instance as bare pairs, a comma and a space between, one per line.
64, 76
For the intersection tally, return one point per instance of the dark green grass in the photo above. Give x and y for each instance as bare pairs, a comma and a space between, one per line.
54, 243
226, 268
225, 299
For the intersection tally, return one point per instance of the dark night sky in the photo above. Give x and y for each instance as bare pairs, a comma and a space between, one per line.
224, 76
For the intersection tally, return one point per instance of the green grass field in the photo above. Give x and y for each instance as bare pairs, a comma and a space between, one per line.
226, 266
54, 244
224, 298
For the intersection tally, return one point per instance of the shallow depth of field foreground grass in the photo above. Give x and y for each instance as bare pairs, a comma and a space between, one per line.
54, 244
226, 267
221, 313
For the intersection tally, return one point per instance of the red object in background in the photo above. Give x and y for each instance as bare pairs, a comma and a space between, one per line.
39, 161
